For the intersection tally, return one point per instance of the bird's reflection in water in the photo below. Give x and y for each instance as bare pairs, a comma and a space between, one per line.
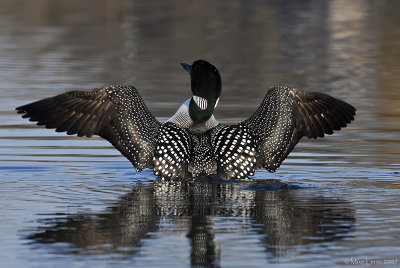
282, 216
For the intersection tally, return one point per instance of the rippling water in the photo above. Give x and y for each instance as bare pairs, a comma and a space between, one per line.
76, 202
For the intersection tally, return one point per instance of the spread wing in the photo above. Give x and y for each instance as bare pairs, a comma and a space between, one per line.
116, 113
287, 114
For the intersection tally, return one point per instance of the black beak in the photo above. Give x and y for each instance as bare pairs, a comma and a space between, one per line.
187, 67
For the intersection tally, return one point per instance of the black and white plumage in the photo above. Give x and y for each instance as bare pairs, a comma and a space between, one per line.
192, 142
115, 113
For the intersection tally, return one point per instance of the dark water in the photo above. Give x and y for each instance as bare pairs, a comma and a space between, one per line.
75, 202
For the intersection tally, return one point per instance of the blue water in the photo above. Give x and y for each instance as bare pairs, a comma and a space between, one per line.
76, 202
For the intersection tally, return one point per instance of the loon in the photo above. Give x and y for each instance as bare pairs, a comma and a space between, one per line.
192, 143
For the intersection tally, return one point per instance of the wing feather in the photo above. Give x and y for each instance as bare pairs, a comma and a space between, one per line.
288, 114
116, 113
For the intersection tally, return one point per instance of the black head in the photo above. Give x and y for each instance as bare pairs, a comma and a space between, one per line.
206, 88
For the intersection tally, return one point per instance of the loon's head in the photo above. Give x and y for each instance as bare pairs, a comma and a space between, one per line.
206, 88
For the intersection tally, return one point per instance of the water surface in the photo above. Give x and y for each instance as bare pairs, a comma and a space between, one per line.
76, 202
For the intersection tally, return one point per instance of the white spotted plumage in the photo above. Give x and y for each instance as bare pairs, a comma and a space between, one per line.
235, 148
171, 161
181, 148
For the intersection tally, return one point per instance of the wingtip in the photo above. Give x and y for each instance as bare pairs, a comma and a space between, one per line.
20, 109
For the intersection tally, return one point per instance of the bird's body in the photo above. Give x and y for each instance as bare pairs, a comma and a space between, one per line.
192, 142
